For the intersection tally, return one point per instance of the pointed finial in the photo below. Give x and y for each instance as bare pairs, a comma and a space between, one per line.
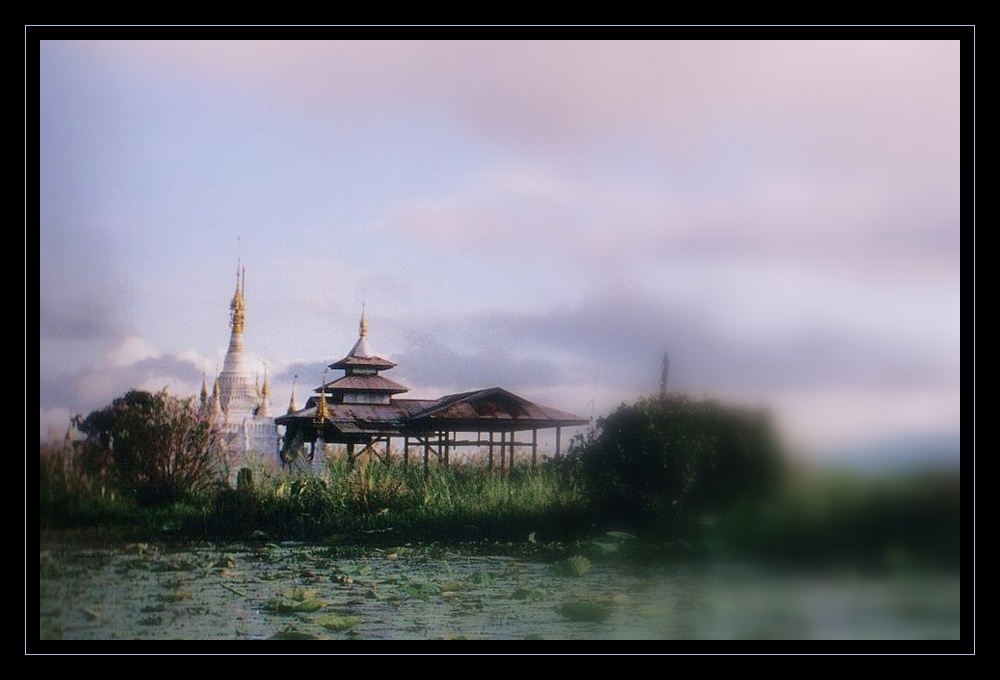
363, 326
204, 391
291, 402
238, 305
321, 412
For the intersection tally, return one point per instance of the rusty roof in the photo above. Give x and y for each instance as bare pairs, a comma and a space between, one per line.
351, 361
495, 404
483, 409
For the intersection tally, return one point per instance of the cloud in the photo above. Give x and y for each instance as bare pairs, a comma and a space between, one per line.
81, 319
621, 335
558, 92
429, 361
131, 363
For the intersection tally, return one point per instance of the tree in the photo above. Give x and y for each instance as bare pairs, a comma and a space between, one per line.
155, 448
666, 461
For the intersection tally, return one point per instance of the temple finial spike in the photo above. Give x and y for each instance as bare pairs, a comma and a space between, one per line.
291, 402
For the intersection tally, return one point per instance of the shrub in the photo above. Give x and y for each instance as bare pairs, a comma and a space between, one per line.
666, 461
155, 448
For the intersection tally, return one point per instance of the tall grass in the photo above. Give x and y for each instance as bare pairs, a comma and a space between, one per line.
457, 502
816, 519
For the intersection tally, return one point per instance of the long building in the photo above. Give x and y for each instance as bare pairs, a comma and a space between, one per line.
362, 411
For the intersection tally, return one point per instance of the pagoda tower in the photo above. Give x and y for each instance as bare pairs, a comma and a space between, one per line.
237, 391
361, 382
240, 408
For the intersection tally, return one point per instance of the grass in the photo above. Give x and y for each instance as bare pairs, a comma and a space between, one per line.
821, 519
365, 501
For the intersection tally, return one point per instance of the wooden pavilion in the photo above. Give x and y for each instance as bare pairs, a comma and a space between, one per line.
360, 410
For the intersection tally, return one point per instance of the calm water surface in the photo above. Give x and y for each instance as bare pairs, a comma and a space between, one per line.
239, 591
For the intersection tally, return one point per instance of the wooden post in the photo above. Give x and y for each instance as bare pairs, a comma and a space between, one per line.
503, 450
510, 461
558, 434
406, 451
427, 449
388, 450
350, 455
534, 448
490, 466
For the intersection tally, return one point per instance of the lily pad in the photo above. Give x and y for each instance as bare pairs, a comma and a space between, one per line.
296, 600
453, 586
584, 611
577, 565
338, 622
480, 577
419, 590
294, 635
529, 594
286, 606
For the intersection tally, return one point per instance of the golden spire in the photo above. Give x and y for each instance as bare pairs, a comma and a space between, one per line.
321, 412
363, 326
264, 399
216, 399
291, 402
238, 305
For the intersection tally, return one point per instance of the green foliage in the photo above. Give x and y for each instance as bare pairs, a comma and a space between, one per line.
154, 448
668, 460
339, 622
832, 518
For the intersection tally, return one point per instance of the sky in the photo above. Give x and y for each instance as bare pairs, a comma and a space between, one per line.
781, 217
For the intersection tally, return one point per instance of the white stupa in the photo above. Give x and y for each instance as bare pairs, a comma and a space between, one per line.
239, 405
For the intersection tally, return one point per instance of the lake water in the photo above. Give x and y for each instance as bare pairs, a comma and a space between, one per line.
239, 591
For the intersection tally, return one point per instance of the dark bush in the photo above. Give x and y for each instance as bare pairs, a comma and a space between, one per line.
669, 460
155, 448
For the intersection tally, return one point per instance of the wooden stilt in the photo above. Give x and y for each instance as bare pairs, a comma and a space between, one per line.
490, 464
534, 448
558, 435
406, 451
